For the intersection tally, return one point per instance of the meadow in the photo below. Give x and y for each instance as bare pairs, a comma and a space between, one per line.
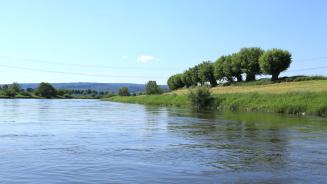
299, 98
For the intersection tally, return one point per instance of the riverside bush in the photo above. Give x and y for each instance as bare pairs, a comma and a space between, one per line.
201, 98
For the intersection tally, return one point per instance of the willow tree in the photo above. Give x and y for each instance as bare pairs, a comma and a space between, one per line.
218, 68
206, 73
175, 82
249, 59
275, 61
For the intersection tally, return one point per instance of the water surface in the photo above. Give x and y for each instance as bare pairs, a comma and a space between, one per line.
91, 141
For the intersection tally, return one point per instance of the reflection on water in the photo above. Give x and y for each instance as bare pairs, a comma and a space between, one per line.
90, 141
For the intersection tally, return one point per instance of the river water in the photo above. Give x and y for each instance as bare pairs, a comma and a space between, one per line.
92, 141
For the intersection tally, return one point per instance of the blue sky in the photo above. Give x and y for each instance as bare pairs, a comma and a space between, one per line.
136, 41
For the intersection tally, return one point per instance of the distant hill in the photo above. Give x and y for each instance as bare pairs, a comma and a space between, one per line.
114, 87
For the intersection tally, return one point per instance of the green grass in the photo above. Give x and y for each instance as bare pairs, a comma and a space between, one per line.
274, 88
299, 98
265, 81
19, 96
301, 103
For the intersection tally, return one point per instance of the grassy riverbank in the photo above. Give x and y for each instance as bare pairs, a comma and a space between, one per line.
305, 97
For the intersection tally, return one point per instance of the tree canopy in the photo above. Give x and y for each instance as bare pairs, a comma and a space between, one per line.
250, 62
249, 59
46, 90
152, 88
124, 92
175, 82
275, 61
206, 73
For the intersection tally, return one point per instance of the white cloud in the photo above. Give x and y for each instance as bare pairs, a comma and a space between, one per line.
146, 59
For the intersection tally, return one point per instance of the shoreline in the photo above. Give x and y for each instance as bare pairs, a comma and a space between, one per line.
58, 98
293, 103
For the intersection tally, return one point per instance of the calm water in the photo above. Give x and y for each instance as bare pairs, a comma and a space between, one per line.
90, 141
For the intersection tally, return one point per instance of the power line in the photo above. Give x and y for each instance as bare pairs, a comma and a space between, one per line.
77, 73
307, 69
118, 76
312, 59
114, 67
81, 65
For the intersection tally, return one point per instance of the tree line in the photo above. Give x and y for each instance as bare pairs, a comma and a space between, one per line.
248, 61
46, 90
150, 88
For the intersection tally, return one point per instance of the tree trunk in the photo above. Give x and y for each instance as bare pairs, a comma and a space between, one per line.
274, 77
213, 83
230, 79
239, 78
250, 77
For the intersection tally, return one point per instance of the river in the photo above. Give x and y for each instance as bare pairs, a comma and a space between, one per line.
92, 141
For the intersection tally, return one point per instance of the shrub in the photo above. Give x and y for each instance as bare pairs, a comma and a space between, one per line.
151, 88
26, 94
201, 98
9, 93
66, 95
124, 92
46, 90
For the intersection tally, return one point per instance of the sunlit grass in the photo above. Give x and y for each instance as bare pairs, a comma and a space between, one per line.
300, 98
277, 88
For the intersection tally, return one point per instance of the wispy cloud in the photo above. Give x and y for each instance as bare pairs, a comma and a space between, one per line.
146, 58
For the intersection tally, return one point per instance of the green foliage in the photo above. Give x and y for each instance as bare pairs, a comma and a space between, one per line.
123, 92
187, 78
206, 73
301, 78
195, 75
249, 59
200, 98
11, 90
46, 90
151, 88
275, 61
228, 68
175, 82
30, 90
64, 92
236, 67
190, 77
266, 81
8, 93
4, 87
313, 103
15, 87
219, 68
67, 96
108, 95
25, 94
